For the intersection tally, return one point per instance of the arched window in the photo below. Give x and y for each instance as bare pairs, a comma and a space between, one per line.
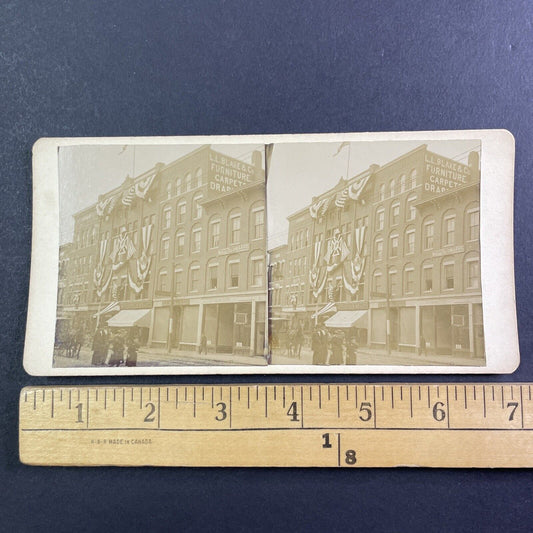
413, 178
196, 239
378, 249
257, 269
393, 282
181, 212
178, 280
448, 228
410, 209
392, 187
380, 218
382, 192
394, 243
194, 278
199, 175
448, 274
426, 276
258, 223
234, 224
179, 185
188, 181
167, 214
197, 207
409, 240
180, 243
211, 281
214, 233
472, 272
428, 233
403, 183
169, 190
472, 222
395, 214
162, 283
409, 279
377, 281
165, 246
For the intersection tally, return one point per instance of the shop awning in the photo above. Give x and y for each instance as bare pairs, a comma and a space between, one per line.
128, 318
329, 308
348, 319
113, 306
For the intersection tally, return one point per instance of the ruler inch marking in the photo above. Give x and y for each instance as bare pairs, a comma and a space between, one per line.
448, 406
484, 403
159, 407
88, 390
266, 402
338, 403
521, 407
302, 402
52, 407
411, 401
338, 449
124, 402
230, 405
375, 408
194, 402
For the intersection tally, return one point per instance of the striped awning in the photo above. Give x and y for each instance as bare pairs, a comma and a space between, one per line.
128, 318
348, 319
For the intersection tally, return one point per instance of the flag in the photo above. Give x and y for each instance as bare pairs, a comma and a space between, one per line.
341, 146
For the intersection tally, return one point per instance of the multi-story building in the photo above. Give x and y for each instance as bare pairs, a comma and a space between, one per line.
177, 252
397, 246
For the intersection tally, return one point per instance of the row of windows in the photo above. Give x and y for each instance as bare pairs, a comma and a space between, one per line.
213, 234
257, 276
448, 235
86, 237
397, 186
183, 184
300, 239
394, 213
448, 275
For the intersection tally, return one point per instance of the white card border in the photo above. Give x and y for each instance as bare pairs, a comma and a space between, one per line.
497, 255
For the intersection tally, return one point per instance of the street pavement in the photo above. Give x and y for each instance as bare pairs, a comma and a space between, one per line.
368, 356
157, 357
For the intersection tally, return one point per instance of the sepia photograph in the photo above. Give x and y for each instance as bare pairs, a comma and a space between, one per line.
161, 256
319, 253
375, 256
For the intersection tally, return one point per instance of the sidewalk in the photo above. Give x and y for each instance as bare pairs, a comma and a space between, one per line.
159, 357
373, 356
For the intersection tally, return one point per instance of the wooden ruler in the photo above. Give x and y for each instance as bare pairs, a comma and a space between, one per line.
335, 425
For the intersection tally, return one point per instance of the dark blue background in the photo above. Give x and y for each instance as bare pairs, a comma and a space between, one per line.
133, 67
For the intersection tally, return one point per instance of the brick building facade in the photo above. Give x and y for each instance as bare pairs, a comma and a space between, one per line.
397, 246
178, 253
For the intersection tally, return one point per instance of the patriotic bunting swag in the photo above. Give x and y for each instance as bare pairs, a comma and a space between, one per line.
101, 277
338, 255
142, 265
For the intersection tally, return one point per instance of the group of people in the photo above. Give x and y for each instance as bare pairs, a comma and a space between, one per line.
335, 348
114, 350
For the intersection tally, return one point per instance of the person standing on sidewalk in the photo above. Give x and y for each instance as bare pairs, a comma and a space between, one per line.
133, 347
203, 344
337, 348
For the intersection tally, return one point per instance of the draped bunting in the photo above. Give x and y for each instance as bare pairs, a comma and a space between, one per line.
354, 271
317, 274
337, 255
339, 199
101, 278
142, 265
138, 190
123, 250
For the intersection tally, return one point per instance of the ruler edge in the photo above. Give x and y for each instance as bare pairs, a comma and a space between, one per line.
29, 388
